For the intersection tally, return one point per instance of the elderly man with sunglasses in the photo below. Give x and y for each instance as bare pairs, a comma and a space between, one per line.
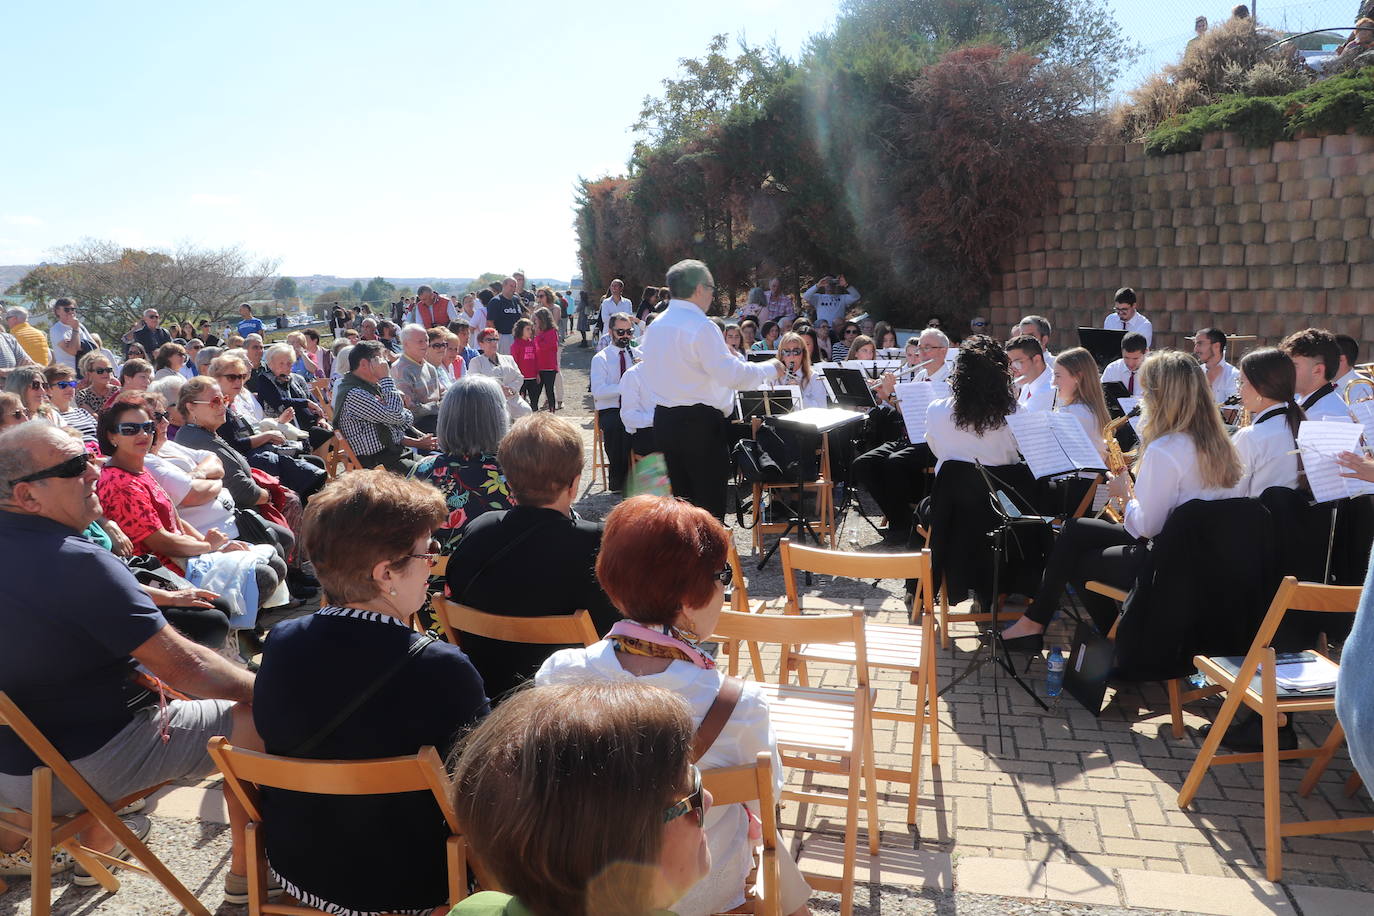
72, 647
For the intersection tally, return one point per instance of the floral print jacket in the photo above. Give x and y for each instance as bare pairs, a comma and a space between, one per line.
471, 484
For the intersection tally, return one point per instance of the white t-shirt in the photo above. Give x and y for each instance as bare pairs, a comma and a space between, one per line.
949, 442
58, 333
172, 467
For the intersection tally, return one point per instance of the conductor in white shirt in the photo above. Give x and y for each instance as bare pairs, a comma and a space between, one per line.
1028, 368
1209, 349
1316, 357
608, 368
1134, 349
1125, 317
693, 377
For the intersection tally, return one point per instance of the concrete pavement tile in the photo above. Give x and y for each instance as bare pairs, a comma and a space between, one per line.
1080, 884
1202, 894
1004, 877
1330, 901
189, 804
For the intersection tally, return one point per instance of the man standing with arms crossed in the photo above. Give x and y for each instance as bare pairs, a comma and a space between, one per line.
692, 377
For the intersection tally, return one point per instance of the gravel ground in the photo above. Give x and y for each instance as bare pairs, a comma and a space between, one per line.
197, 852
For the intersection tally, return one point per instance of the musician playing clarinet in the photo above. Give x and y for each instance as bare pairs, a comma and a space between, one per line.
1185, 454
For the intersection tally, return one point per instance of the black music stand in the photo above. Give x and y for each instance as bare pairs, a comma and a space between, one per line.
764, 402
1104, 344
1009, 516
805, 422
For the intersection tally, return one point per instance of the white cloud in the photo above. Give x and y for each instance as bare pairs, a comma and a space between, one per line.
214, 200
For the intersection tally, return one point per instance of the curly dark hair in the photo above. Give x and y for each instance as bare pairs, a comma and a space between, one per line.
981, 382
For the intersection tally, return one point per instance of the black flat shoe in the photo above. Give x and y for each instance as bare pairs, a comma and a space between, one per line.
1031, 643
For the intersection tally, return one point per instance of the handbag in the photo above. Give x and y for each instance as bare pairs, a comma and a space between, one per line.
754, 464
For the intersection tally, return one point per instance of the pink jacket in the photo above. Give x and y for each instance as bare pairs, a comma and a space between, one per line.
546, 347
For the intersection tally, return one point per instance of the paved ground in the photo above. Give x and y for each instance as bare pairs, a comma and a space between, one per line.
1055, 812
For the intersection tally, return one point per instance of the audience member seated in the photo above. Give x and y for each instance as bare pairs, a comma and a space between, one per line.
1185, 454
131, 497
285, 396
98, 373
582, 800
501, 367
265, 449
82, 693
369, 534
472, 423
369, 411
169, 359
12, 411
29, 384
416, 378
136, 374
1316, 359
1266, 447
663, 562
536, 560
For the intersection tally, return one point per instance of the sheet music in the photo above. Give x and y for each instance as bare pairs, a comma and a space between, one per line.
1363, 412
872, 368
820, 368
1052, 446
914, 398
1128, 405
1321, 441
823, 419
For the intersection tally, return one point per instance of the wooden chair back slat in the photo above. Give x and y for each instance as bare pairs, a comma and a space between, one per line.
555, 630
753, 782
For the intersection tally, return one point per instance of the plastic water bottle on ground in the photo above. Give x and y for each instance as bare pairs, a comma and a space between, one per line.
1054, 672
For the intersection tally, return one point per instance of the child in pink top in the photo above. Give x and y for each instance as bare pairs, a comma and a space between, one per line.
546, 357
525, 352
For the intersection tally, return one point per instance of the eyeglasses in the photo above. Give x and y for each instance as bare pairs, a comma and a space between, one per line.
74, 466
850, 332
726, 575
67, 383
216, 401
103, 370
1123, 308
925, 348
235, 377
36, 385
696, 802
431, 558
792, 351
133, 429
438, 346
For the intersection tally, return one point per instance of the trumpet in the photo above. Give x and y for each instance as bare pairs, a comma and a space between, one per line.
1118, 463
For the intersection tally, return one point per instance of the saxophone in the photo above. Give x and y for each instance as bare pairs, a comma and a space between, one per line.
1118, 463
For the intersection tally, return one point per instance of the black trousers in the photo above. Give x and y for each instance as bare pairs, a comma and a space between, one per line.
397, 459
617, 445
893, 474
545, 383
693, 440
1089, 549
644, 442
427, 424
207, 626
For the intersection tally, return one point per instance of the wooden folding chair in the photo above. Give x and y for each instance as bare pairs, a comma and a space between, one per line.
822, 487
739, 602
1255, 684
46, 831
754, 782
246, 772
1178, 696
555, 630
320, 388
824, 730
908, 649
600, 462
338, 456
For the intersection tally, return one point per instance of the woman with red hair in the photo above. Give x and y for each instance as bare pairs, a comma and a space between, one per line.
663, 563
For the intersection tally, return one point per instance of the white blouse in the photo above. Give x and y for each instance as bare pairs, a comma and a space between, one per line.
952, 443
1169, 477
1266, 458
1084, 415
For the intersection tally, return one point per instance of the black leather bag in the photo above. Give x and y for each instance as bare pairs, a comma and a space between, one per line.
755, 464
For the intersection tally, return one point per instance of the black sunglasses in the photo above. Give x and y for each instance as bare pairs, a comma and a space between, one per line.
74, 466
103, 370
623, 332
695, 802
133, 429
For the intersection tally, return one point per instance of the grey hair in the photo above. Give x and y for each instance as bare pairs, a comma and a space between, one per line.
1042, 324
169, 386
20, 377
412, 330
17, 311
20, 447
371, 321
253, 336
205, 357
937, 334
473, 418
685, 276
278, 349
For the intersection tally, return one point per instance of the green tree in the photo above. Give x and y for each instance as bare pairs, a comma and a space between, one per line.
357, 289
284, 288
378, 290
483, 281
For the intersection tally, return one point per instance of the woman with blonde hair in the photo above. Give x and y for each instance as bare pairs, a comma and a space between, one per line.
1078, 392
1185, 454
797, 361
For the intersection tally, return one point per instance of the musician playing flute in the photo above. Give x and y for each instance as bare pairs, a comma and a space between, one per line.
1185, 454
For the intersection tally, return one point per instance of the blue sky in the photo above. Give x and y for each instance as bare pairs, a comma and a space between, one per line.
407, 138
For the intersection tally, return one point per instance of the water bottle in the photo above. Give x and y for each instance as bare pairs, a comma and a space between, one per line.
1054, 673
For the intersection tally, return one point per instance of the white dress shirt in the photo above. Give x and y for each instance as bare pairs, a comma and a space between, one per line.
1168, 478
1266, 458
1346, 380
1037, 394
1138, 323
950, 442
1118, 371
609, 307
1331, 405
746, 733
687, 362
939, 375
1084, 415
636, 405
605, 374
813, 391
1227, 383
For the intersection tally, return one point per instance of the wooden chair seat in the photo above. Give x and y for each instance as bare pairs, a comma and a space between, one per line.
320, 388
889, 646
812, 720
